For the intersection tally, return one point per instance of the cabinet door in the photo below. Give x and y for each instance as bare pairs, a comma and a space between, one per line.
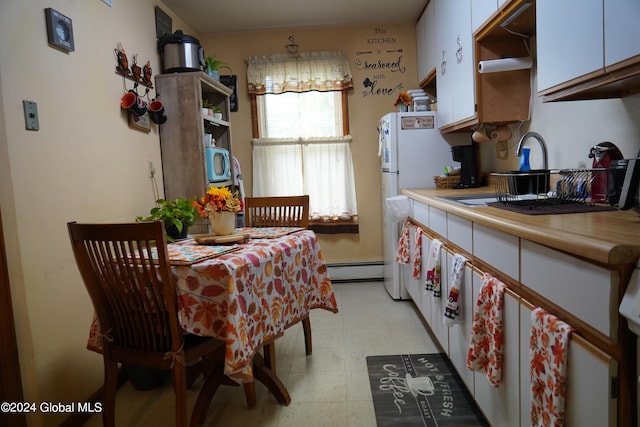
501, 405
590, 375
445, 58
497, 248
621, 30
463, 62
421, 46
459, 232
481, 10
430, 34
455, 69
437, 305
460, 333
413, 284
585, 290
569, 37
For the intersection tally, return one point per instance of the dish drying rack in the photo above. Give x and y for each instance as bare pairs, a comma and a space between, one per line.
534, 187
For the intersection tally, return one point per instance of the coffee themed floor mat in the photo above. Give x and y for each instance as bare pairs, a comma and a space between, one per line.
420, 390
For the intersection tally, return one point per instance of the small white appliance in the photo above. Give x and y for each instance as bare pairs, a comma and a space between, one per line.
412, 151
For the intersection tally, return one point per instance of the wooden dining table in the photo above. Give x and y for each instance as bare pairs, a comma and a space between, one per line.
247, 294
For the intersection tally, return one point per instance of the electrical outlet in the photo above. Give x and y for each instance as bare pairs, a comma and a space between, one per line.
152, 170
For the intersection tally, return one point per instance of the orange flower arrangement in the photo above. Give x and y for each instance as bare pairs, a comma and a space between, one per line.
218, 199
403, 98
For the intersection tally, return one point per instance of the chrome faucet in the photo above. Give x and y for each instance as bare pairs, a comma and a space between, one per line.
543, 145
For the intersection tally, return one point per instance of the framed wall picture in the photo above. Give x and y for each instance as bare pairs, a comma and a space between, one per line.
141, 123
163, 23
59, 30
232, 83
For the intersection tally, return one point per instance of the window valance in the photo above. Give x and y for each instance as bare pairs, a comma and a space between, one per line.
278, 73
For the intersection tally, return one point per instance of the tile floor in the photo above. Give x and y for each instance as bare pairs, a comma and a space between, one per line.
328, 388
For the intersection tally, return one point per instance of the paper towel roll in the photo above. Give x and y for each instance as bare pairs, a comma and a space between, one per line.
506, 64
501, 133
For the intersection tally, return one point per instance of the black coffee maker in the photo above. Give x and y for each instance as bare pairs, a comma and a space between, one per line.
467, 155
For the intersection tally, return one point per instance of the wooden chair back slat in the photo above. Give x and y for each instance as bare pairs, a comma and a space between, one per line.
281, 211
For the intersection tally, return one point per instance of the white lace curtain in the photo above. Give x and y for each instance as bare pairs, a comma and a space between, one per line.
280, 73
322, 168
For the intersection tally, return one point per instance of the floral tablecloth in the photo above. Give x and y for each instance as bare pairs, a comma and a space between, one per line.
251, 295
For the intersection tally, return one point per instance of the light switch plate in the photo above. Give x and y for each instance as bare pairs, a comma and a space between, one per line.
109, 2
31, 115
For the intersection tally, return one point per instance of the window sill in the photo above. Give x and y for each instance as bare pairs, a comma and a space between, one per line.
337, 226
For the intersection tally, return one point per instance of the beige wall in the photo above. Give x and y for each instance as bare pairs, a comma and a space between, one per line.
84, 164
365, 108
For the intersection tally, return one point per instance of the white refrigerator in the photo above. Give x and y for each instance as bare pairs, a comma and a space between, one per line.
412, 151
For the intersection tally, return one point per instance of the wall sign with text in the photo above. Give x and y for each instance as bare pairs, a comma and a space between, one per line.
59, 30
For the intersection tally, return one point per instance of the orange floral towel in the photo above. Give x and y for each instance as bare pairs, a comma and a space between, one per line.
417, 254
402, 253
432, 282
487, 331
548, 350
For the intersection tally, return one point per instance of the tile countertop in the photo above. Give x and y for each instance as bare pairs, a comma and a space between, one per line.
610, 238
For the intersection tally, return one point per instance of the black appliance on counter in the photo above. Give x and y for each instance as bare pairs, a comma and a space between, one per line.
467, 155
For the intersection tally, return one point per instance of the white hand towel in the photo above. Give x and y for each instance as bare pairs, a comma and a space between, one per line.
433, 269
452, 309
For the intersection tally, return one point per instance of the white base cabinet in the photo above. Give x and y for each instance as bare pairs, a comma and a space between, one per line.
562, 280
460, 333
590, 376
501, 405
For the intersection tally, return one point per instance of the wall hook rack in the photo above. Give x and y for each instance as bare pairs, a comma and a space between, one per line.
140, 75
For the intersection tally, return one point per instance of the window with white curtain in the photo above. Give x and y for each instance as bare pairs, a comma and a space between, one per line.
300, 146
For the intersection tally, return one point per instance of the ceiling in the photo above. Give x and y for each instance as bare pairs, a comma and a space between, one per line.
218, 16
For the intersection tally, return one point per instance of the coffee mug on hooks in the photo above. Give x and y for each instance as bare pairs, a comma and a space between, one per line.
133, 102
156, 112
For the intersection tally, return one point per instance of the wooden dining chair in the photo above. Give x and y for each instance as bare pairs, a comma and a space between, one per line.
280, 211
135, 302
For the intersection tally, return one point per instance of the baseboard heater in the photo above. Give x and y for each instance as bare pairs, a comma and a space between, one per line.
356, 271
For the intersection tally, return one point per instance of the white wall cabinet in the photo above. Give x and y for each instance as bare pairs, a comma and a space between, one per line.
481, 10
455, 66
426, 42
621, 30
586, 49
569, 40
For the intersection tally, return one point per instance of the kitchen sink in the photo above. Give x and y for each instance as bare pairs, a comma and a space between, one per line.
471, 199
484, 198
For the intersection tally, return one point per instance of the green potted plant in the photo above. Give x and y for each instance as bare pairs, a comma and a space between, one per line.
214, 66
177, 215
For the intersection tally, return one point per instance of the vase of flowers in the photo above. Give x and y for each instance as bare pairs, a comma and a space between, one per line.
220, 205
403, 101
